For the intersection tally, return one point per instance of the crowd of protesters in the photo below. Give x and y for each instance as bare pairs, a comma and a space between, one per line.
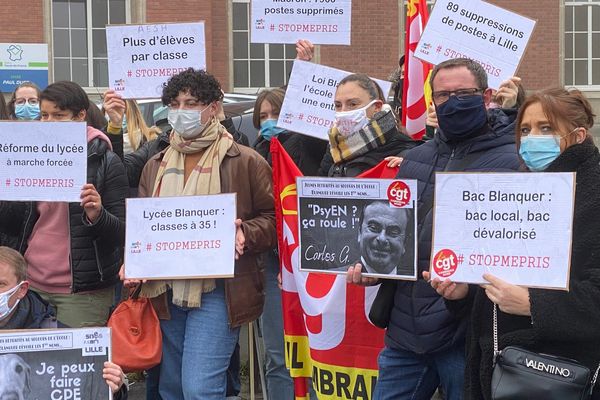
60, 263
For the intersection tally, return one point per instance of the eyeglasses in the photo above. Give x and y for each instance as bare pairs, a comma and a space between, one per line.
442, 96
31, 101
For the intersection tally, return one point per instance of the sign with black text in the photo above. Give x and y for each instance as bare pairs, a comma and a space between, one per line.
180, 237
516, 226
344, 221
320, 21
61, 364
494, 37
308, 106
42, 161
143, 57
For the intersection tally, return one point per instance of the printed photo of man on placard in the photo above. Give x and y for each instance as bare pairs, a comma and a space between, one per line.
372, 232
382, 235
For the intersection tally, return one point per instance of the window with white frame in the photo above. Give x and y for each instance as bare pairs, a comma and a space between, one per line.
257, 65
79, 38
582, 43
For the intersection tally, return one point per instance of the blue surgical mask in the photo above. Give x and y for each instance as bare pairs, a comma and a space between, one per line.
461, 119
269, 129
27, 111
538, 151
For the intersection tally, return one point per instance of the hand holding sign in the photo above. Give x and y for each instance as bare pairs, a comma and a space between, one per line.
113, 376
91, 202
511, 299
508, 93
114, 106
240, 239
447, 289
304, 50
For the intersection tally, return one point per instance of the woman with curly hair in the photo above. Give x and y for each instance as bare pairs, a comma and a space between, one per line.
201, 318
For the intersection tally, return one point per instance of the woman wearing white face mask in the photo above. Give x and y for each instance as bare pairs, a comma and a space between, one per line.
200, 319
364, 131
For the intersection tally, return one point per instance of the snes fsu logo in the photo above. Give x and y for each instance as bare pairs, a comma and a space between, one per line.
398, 194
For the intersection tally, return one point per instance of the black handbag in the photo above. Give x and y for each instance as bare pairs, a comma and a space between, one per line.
520, 374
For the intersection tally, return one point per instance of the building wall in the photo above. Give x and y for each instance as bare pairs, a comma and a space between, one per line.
22, 21
374, 46
540, 67
214, 14
375, 39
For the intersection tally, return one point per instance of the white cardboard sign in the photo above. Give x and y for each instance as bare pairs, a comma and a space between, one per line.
180, 237
494, 37
308, 105
320, 21
142, 57
42, 161
516, 226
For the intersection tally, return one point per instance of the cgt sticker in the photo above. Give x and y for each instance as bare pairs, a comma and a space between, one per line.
398, 194
445, 263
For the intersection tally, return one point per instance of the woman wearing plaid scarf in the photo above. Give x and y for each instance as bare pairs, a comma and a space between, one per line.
364, 132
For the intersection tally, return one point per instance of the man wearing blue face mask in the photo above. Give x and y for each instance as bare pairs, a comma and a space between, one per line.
425, 342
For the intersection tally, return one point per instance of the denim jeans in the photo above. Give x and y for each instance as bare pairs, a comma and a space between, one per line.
404, 375
197, 346
279, 382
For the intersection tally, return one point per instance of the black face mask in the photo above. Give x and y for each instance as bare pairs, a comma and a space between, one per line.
461, 119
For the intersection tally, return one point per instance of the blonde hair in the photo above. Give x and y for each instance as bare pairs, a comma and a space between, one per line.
14, 260
137, 130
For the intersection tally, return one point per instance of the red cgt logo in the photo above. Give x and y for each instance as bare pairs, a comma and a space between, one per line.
445, 263
398, 194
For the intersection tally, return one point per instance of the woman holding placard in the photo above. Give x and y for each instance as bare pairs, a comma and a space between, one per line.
553, 135
364, 132
200, 318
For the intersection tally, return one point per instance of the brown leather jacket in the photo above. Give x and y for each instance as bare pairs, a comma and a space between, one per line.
245, 172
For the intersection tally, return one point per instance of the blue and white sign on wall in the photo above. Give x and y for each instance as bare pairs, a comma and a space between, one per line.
20, 62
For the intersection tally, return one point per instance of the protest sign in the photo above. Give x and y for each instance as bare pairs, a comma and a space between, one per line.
54, 364
516, 226
42, 161
308, 105
343, 221
196, 231
142, 57
321, 21
492, 36
23, 62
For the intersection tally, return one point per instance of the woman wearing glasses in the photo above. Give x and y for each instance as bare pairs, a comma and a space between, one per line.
25, 102
553, 135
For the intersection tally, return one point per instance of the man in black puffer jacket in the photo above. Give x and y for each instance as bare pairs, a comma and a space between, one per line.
425, 344
73, 250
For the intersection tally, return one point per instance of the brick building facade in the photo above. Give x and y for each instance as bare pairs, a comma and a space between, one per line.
377, 37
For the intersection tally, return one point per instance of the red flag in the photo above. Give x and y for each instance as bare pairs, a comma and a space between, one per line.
327, 333
414, 108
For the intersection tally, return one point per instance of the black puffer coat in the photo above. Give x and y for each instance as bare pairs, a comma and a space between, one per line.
304, 150
96, 249
565, 324
420, 321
